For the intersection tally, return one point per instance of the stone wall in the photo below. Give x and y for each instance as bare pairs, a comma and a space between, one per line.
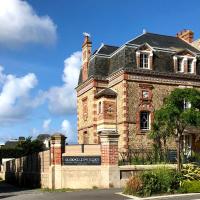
91, 149
29, 171
82, 177
49, 169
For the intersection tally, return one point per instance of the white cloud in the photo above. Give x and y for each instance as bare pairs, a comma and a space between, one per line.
15, 101
67, 130
46, 124
62, 100
19, 24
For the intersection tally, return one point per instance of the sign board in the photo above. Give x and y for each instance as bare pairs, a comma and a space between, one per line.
172, 156
81, 160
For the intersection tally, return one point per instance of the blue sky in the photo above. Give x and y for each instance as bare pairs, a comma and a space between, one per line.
36, 38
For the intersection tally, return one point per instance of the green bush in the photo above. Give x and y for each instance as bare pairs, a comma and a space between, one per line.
190, 186
160, 180
191, 172
133, 186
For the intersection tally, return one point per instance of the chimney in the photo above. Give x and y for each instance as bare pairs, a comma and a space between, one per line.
186, 35
86, 53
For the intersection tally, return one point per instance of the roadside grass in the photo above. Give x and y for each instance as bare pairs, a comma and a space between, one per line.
66, 189
59, 190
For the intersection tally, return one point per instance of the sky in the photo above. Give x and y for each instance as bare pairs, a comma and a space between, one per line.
40, 53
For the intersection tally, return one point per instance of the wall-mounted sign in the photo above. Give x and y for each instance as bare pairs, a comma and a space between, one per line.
81, 160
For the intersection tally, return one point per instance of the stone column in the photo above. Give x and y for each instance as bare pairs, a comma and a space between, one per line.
57, 148
109, 159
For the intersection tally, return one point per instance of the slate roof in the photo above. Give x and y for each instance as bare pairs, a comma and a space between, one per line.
106, 49
107, 93
100, 67
43, 137
11, 144
163, 41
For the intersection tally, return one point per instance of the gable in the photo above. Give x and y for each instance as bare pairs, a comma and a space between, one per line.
185, 52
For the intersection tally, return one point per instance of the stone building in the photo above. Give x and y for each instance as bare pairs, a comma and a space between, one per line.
119, 88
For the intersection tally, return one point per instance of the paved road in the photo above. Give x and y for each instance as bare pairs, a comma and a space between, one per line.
9, 192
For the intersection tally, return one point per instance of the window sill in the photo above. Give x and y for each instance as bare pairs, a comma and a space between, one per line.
143, 132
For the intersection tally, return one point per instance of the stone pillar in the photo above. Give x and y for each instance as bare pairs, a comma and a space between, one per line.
57, 148
109, 159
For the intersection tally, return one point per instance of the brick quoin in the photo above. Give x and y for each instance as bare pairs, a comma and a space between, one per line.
109, 148
57, 148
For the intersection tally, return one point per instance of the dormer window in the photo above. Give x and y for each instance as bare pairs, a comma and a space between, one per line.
180, 66
144, 57
144, 60
190, 66
185, 62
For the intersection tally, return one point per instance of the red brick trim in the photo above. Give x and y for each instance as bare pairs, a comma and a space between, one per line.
145, 105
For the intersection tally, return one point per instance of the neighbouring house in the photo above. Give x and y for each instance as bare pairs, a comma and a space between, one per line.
119, 88
45, 138
13, 142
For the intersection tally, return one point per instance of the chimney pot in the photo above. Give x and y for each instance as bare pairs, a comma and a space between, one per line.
186, 35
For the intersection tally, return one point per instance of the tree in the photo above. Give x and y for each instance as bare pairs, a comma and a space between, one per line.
181, 109
30, 146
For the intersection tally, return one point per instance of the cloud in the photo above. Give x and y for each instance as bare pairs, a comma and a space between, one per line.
15, 101
67, 130
19, 24
46, 124
62, 100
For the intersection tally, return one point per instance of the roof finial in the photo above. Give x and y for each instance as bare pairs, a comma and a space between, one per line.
144, 31
86, 34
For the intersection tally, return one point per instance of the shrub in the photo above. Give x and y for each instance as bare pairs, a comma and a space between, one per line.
190, 186
191, 172
133, 185
160, 180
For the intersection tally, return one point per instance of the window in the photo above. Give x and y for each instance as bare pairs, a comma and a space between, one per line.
145, 94
186, 104
99, 107
85, 138
144, 61
187, 144
190, 65
180, 64
144, 120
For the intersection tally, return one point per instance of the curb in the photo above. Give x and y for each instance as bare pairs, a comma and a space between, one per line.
156, 197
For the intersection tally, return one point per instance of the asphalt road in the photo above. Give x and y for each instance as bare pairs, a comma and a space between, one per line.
9, 192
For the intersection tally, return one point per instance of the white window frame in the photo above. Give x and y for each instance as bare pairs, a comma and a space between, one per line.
182, 64
149, 54
148, 122
185, 60
187, 144
186, 105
